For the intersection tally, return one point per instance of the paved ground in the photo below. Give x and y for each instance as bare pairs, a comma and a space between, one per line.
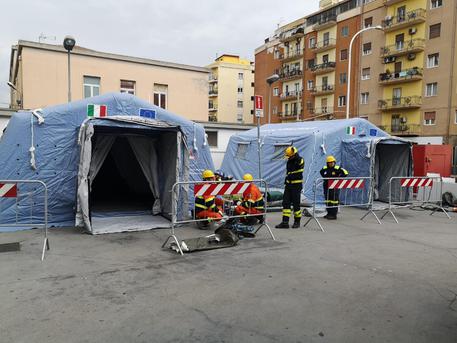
355, 283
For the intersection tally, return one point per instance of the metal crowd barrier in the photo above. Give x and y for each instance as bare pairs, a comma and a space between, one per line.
408, 192
352, 192
214, 188
22, 198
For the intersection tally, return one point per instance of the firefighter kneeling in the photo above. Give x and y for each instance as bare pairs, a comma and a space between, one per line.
205, 206
252, 203
332, 196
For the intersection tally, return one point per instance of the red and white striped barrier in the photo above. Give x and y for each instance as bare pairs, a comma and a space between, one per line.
213, 189
347, 184
417, 182
8, 190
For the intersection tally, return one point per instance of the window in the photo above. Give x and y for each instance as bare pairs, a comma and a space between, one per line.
429, 118
343, 78
211, 137
91, 86
455, 122
211, 105
435, 31
431, 89
400, 41
309, 106
239, 117
312, 42
240, 76
343, 54
341, 101
276, 91
278, 153
345, 31
436, 3
239, 104
128, 87
368, 22
241, 151
240, 89
160, 95
311, 64
310, 85
365, 73
366, 49
325, 58
364, 98
433, 60
326, 38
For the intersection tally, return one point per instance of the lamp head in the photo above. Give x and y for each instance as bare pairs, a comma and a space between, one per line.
273, 78
69, 43
11, 85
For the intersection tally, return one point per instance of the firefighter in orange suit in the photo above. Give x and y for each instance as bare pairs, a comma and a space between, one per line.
205, 206
253, 202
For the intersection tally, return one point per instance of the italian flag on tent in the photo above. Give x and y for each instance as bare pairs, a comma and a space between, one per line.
350, 130
96, 111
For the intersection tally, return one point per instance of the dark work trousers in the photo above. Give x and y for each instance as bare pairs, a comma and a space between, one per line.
292, 197
332, 201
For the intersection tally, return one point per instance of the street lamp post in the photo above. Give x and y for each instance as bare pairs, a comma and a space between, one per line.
350, 64
270, 80
69, 43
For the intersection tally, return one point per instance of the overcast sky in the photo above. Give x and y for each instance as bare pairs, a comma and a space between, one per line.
183, 31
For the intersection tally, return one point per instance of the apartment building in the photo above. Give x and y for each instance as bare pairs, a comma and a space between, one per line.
231, 87
403, 76
39, 73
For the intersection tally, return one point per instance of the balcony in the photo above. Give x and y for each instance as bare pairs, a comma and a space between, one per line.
324, 45
292, 35
290, 75
391, 2
323, 68
322, 111
323, 89
212, 117
291, 55
408, 19
407, 75
403, 48
213, 92
212, 78
291, 95
403, 129
403, 103
290, 115
325, 22
212, 109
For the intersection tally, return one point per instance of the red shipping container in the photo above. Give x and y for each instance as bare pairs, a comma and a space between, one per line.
432, 159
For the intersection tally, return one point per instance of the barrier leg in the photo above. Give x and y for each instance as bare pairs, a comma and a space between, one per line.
374, 215
176, 241
268, 228
317, 221
392, 214
442, 209
45, 247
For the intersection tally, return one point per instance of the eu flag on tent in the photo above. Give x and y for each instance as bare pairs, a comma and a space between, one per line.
373, 132
96, 111
350, 130
147, 113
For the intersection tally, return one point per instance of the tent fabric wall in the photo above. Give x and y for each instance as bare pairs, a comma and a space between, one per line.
314, 141
57, 152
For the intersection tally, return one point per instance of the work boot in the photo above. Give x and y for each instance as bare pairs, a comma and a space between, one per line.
296, 224
283, 225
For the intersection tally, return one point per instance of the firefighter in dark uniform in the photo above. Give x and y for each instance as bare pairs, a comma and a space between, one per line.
332, 195
293, 188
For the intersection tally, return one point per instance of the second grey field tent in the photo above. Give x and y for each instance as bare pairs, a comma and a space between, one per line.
359, 146
109, 162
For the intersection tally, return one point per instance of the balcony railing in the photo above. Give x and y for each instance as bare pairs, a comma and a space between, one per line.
400, 21
323, 110
323, 89
291, 74
412, 74
291, 95
323, 67
213, 92
403, 47
290, 114
212, 118
291, 35
324, 45
325, 22
400, 103
292, 54
212, 78
403, 129
212, 109
391, 2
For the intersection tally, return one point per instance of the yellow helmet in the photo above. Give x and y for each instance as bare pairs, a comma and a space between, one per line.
247, 177
290, 151
207, 174
330, 158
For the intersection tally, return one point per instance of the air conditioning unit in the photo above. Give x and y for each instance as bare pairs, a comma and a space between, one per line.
403, 120
412, 31
390, 59
388, 18
411, 56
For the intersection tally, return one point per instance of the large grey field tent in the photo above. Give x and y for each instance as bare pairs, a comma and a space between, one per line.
359, 146
109, 162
